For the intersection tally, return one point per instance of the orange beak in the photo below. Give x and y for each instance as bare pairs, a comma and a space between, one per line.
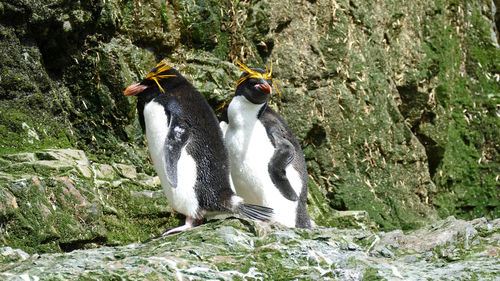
264, 87
134, 89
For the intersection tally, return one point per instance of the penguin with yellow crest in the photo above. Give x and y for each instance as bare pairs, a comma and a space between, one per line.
187, 148
267, 164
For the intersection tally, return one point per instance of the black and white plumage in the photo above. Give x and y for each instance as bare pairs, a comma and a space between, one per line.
187, 148
267, 164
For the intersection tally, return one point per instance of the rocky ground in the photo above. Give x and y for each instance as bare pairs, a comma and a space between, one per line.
59, 200
60, 214
235, 249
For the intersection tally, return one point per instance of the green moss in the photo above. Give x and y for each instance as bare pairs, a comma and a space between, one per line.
214, 26
371, 274
317, 205
27, 108
26, 230
164, 12
54, 215
20, 131
465, 173
101, 113
201, 25
137, 217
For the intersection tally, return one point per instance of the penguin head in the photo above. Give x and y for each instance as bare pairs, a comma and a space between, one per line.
255, 84
156, 81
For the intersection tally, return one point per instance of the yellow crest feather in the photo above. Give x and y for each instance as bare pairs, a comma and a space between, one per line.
155, 75
257, 75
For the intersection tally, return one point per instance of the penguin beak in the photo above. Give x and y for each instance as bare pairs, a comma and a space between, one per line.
264, 87
134, 89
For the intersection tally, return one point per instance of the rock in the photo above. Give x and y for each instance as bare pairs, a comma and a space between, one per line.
238, 249
5, 176
127, 171
20, 157
64, 207
63, 155
104, 171
9, 201
353, 219
84, 169
150, 181
54, 167
47, 162
450, 239
149, 193
9, 255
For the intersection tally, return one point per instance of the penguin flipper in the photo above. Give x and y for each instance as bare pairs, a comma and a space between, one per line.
284, 152
177, 137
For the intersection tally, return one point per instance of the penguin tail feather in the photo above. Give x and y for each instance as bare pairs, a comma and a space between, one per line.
256, 212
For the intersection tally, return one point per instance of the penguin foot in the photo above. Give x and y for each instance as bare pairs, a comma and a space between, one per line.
190, 223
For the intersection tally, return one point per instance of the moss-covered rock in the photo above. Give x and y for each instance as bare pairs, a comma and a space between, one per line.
340, 99
57, 200
460, 124
388, 104
234, 249
25, 88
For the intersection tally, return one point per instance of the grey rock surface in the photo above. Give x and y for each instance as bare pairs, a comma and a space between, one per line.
236, 249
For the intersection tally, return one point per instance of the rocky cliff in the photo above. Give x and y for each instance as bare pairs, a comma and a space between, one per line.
395, 103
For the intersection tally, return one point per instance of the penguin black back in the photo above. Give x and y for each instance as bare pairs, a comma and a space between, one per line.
187, 147
206, 146
275, 125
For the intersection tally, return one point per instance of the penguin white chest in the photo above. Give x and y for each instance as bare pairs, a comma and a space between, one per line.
250, 153
182, 198
249, 150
